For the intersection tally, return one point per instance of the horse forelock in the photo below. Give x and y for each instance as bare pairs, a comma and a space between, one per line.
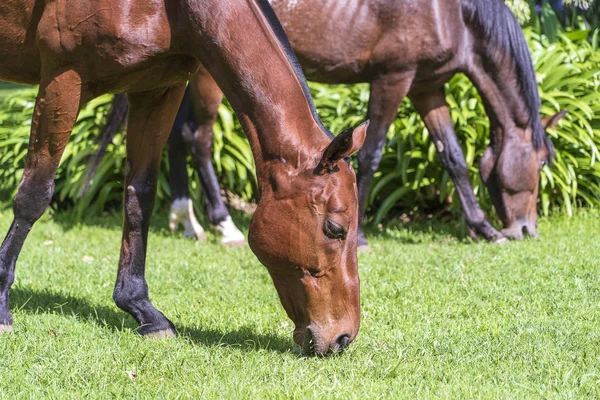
501, 31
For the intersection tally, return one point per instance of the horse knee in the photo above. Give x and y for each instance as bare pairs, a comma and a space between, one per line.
32, 199
139, 201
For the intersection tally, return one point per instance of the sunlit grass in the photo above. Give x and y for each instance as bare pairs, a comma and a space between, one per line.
441, 317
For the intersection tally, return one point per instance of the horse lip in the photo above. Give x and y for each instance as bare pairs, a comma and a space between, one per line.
519, 229
312, 344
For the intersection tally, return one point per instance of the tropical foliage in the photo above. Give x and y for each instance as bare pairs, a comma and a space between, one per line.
410, 175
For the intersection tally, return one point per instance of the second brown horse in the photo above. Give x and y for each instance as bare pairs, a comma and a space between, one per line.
409, 48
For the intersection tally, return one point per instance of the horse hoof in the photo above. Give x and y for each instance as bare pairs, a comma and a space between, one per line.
5, 328
501, 240
234, 243
163, 334
364, 248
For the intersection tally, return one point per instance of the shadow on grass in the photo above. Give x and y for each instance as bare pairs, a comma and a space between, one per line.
244, 338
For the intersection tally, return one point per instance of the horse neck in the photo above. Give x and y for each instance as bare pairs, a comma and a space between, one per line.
497, 81
241, 46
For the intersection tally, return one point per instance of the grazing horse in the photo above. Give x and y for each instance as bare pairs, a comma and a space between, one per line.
305, 227
412, 48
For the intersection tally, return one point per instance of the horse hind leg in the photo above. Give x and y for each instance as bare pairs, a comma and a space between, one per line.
182, 209
435, 113
206, 98
182, 212
151, 116
56, 110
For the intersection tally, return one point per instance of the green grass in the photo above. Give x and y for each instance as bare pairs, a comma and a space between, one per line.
441, 317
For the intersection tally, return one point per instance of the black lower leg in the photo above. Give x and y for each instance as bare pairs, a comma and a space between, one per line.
9, 252
30, 203
201, 150
131, 290
178, 177
436, 115
150, 118
177, 149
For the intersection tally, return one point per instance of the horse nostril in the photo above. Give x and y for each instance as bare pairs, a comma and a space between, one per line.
342, 342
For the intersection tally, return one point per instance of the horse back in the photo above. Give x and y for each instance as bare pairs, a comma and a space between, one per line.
353, 40
114, 45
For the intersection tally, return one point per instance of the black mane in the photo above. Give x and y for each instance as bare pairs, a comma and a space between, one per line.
291, 56
503, 32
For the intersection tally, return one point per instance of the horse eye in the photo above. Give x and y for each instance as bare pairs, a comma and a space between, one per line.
334, 230
315, 273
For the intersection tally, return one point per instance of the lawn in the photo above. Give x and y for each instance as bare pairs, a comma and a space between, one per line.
441, 317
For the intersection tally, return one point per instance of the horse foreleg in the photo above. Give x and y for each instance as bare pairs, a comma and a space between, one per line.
206, 98
56, 110
436, 115
151, 116
387, 93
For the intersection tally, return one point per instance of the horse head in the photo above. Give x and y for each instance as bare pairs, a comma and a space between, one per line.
511, 173
305, 232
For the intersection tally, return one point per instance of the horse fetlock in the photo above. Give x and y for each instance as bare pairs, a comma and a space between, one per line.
5, 328
138, 305
232, 236
182, 212
131, 298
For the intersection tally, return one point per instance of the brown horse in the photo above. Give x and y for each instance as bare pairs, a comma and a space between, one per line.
305, 228
411, 48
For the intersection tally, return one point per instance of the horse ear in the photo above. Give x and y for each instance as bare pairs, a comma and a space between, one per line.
487, 164
551, 121
344, 145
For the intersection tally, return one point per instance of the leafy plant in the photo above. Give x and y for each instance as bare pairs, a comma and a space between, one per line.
410, 175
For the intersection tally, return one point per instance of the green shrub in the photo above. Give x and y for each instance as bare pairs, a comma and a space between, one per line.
232, 155
410, 175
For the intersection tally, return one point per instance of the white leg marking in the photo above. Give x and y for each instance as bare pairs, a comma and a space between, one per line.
182, 212
231, 234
